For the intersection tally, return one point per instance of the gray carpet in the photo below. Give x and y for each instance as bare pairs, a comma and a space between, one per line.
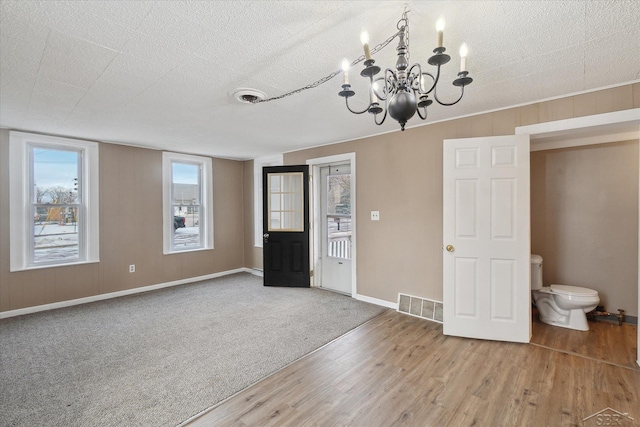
158, 358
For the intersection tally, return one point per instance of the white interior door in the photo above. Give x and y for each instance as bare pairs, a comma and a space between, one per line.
335, 228
486, 235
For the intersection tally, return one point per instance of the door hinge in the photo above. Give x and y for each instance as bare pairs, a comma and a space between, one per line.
311, 273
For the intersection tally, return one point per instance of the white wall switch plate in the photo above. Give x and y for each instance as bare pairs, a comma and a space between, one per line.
375, 215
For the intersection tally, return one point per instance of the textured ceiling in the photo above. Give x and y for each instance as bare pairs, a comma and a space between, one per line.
160, 73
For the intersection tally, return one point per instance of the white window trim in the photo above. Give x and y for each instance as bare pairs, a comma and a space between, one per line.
206, 204
19, 193
258, 164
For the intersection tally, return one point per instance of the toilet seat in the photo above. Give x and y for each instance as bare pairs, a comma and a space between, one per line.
572, 290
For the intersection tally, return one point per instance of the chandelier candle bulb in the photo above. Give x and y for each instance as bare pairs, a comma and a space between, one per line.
364, 38
464, 51
440, 30
345, 70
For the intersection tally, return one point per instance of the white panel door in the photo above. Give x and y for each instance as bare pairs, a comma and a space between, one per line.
486, 238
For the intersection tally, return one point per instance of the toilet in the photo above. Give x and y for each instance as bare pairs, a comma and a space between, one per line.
561, 305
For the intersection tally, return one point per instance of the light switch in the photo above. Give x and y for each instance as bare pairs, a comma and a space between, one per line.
375, 215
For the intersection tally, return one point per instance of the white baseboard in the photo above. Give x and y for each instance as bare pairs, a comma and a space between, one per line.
78, 301
377, 301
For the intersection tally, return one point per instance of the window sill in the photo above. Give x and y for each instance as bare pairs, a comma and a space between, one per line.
187, 251
66, 264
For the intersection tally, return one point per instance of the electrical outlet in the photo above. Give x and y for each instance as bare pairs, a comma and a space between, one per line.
375, 215
132, 268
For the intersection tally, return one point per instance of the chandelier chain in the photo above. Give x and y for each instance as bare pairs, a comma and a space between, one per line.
403, 25
335, 73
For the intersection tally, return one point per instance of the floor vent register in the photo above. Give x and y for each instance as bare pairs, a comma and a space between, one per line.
420, 307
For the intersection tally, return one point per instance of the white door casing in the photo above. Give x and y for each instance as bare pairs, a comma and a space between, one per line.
486, 238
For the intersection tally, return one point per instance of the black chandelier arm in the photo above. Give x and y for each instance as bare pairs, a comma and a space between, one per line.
390, 82
415, 78
346, 100
435, 79
449, 104
418, 110
384, 116
383, 96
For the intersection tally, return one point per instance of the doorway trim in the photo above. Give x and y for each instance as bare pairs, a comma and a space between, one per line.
315, 165
607, 127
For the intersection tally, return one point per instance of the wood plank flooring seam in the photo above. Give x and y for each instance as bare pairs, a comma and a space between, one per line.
585, 357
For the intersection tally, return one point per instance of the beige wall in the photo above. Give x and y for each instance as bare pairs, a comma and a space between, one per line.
130, 232
253, 254
584, 209
400, 174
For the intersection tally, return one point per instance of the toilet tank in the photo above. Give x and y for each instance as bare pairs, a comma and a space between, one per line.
536, 272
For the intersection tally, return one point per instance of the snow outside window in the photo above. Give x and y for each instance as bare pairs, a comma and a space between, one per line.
187, 201
54, 201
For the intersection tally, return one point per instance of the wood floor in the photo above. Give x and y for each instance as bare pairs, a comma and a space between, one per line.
401, 370
606, 341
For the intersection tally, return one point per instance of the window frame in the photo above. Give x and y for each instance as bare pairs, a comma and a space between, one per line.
205, 207
21, 145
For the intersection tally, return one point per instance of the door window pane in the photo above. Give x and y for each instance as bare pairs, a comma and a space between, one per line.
339, 216
286, 206
339, 194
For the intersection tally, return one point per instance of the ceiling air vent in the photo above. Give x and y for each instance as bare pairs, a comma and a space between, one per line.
248, 96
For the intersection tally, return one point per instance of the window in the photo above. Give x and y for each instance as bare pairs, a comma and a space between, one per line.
286, 201
258, 164
187, 201
338, 210
54, 201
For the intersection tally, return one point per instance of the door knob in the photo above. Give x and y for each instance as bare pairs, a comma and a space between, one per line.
450, 248
265, 236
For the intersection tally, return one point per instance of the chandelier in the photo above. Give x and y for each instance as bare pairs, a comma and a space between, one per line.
404, 91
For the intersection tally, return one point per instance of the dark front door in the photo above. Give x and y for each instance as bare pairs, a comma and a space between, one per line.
285, 197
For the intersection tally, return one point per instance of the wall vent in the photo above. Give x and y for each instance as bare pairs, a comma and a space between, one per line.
420, 307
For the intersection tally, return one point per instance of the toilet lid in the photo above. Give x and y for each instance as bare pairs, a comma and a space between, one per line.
572, 290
